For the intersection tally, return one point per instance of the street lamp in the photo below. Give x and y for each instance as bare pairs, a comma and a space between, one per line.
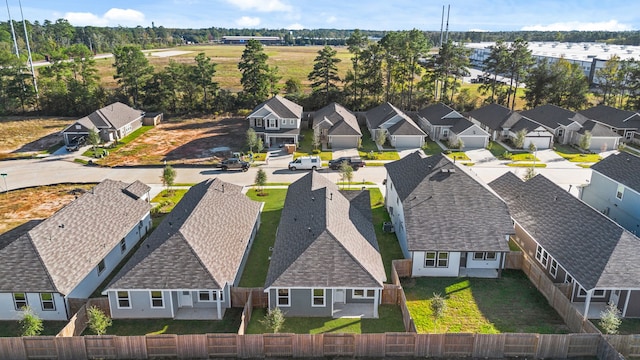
6, 189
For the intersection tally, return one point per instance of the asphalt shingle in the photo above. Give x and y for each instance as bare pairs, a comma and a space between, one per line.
343, 122
622, 167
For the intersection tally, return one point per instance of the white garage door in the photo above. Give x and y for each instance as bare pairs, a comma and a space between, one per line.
408, 142
343, 142
600, 144
541, 143
473, 142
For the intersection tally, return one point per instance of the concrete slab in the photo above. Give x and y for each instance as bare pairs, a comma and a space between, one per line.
338, 153
553, 160
479, 156
405, 152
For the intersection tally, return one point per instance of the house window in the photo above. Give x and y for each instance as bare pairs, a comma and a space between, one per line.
554, 268
582, 292
445, 133
209, 296
628, 135
259, 122
123, 246
443, 259
101, 266
19, 300
430, 259
318, 297
157, 299
560, 132
46, 300
542, 256
363, 293
599, 293
490, 255
620, 192
568, 279
478, 256
292, 122
283, 297
371, 293
123, 300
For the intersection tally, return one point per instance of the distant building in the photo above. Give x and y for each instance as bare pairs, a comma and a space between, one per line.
241, 40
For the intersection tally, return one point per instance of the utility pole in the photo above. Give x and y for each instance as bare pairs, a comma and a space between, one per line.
13, 31
26, 38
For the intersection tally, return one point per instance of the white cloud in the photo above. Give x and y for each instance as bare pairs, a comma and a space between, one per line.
261, 5
331, 19
248, 21
295, 26
113, 17
611, 25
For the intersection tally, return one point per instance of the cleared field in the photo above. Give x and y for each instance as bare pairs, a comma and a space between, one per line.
30, 134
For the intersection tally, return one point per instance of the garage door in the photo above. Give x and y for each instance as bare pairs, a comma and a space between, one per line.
408, 141
473, 142
598, 144
343, 142
540, 142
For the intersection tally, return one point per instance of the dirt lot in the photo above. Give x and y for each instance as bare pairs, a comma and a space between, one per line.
20, 135
19, 206
182, 141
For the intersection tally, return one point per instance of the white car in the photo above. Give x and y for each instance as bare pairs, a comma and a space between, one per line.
306, 163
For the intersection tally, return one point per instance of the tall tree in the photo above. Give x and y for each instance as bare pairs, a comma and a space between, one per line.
521, 62
357, 43
561, 83
203, 73
255, 73
449, 65
496, 64
609, 80
324, 75
132, 70
418, 47
371, 60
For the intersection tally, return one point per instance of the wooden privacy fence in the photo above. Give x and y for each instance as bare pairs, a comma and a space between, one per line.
245, 318
240, 296
78, 322
513, 260
203, 346
627, 345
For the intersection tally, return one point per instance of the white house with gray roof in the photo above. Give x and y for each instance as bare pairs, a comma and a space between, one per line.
67, 256
442, 123
337, 127
574, 244
112, 122
277, 121
447, 222
400, 129
186, 268
326, 260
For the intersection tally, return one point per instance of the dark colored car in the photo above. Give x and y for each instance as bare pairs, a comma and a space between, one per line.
354, 161
76, 143
234, 164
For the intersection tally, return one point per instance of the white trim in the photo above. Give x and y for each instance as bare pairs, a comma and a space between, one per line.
151, 298
128, 298
15, 305
52, 301
553, 269
314, 297
626, 303
288, 297
620, 190
364, 293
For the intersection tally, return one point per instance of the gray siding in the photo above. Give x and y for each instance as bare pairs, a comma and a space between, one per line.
301, 303
633, 308
351, 300
140, 306
601, 194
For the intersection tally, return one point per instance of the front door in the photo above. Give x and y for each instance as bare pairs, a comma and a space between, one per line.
186, 299
338, 296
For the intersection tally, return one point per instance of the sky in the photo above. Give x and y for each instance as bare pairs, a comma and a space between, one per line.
465, 15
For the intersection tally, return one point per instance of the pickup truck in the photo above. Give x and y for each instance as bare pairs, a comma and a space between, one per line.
354, 161
235, 164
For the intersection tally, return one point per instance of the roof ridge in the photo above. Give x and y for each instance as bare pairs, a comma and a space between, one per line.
352, 256
44, 266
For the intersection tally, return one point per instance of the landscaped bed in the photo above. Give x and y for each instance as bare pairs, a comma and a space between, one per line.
488, 306
390, 320
574, 155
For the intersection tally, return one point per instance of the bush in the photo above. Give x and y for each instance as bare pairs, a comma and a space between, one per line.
30, 324
274, 320
315, 151
610, 319
507, 155
98, 320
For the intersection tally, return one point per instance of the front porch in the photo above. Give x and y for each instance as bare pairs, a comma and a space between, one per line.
354, 310
194, 313
595, 309
478, 273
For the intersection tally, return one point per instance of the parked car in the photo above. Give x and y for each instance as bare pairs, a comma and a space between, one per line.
306, 163
354, 161
75, 143
235, 164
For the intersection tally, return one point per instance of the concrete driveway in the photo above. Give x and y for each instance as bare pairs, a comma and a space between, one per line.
480, 156
338, 153
553, 160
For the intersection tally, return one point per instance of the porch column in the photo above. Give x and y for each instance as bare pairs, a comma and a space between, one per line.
587, 302
218, 303
376, 300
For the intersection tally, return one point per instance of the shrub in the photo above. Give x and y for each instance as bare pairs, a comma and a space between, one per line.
507, 155
274, 320
30, 324
315, 151
98, 320
610, 319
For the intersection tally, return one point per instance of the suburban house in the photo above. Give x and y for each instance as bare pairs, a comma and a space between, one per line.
595, 258
186, 268
48, 264
569, 127
326, 260
622, 122
112, 122
443, 123
614, 189
337, 127
401, 131
446, 221
277, 120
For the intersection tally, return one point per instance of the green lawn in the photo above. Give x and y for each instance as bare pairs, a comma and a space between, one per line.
524, 164
368, 146
487, 306
627, 327
390, 320
258, 262
324, 155
524, 157
124, 141
167, 200
574, 155
12, 328
458, 155
385, 155
367, 143
230, 323
496, 149
388, 242
431, 148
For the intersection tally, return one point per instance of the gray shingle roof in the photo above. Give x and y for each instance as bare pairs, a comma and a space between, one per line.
551, 116
199, 245
596, 251
524, 124
460, 125
137, 189
435, 114
621, 119
114, 116
622, 167
343, 121
284, 108
324, 240
448, 211
494, 116
72, 241
597, 129
406, 126
380, 114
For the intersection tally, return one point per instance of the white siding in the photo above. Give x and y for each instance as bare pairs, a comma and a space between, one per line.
420, 270
8, 311
483, 264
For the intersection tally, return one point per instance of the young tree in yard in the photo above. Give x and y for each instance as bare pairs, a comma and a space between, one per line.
255, 73
381, 138
168, 176
585, 141
98, 320
518, 141
132, 70
438, 307
252, 139
325, 73
529, 174
292, 86
93, 139
346, 173
316, 138
261, 180
274, 320
610, 319
259, 145
30, 323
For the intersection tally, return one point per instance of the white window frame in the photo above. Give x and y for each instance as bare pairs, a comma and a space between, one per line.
620, 192
542, 256
212, 295
553, 269
478, 255
561, 132
568, 279
209, 296
315, 297
492, 257
485, 256
446, 259
364, 295
445, 133
258, 122
292, 122
123, 245
280, 297
434, 259
103, 265
152, 299
52, 302
127, 299
599, 293
16, 301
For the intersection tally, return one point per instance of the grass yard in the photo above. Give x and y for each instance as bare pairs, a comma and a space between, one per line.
385, 155
524, 164
306, 148
230, 323
627, 327
255, 272
458, 155
496, 149
367, 143
574, 155
524, 157
20, 135
390, 320
12, 328
431, 148
388, 242
167, 200
486, 306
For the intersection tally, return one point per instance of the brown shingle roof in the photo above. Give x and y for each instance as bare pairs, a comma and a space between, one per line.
284, 108
343, 122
